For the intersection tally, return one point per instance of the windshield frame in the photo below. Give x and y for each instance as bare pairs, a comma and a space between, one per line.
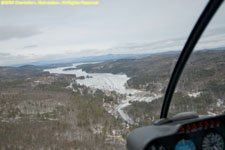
204, 19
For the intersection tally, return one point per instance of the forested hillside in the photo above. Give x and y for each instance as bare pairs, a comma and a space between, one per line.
37, 111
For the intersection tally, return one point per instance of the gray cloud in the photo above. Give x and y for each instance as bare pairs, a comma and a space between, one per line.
6, 59
11, 32
30, 46
150, 47
212, 38
135, 27
4, 54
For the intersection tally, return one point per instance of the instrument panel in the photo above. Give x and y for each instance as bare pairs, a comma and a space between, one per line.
200, 133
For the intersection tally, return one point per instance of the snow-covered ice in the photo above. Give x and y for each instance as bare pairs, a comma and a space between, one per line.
108, 82
103, 81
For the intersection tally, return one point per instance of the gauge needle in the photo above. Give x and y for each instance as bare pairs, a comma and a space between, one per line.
214, 147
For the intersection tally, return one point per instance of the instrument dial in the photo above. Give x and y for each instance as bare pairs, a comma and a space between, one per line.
213, 141
185, 145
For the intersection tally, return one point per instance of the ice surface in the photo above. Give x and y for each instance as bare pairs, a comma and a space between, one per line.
103, 81
108, 82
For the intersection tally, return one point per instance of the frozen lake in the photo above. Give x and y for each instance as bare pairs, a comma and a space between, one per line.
108, 82
103, 81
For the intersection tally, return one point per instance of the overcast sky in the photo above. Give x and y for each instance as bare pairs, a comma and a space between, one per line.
34, 33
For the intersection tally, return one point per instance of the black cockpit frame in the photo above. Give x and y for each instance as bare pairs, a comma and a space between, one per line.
193, 38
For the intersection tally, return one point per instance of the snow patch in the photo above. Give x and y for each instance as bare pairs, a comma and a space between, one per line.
219, 102
211, 113
196, 94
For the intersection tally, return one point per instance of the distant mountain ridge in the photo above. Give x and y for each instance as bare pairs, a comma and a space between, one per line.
106, 57
86, 59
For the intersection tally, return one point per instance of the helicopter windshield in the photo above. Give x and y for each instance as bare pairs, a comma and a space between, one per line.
83, 75
201, 87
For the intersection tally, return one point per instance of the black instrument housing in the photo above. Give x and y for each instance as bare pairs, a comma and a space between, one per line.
168, 132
